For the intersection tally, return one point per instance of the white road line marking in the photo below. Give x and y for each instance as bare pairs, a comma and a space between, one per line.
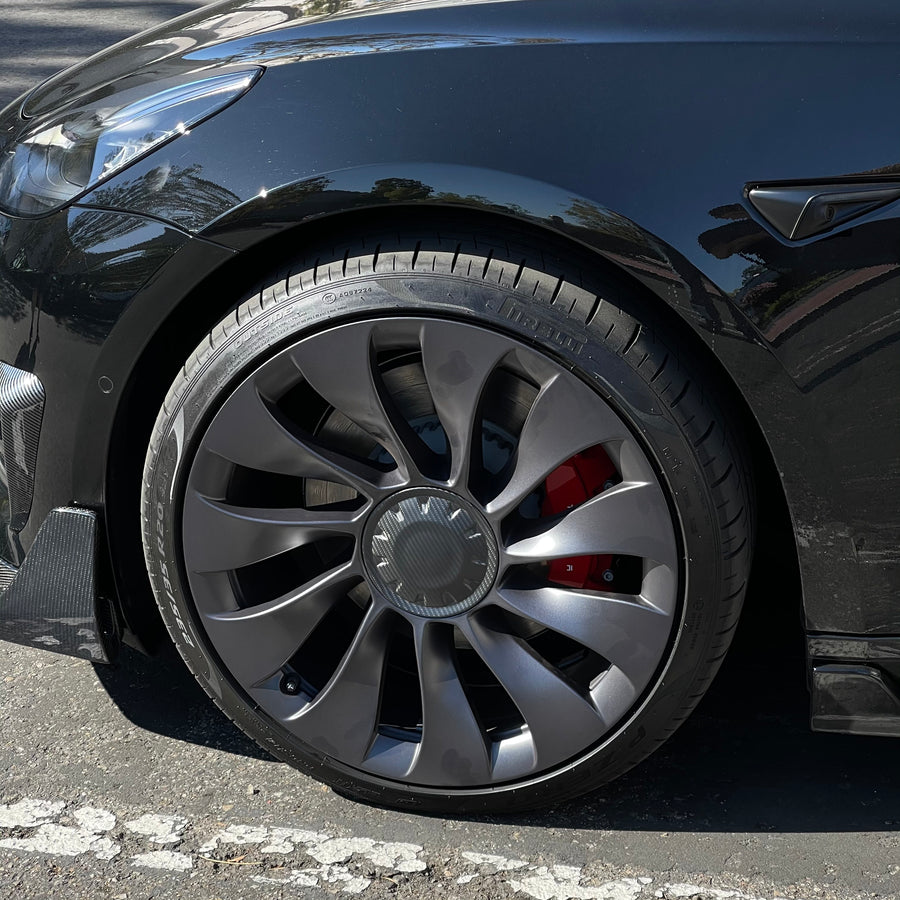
676, 891
29, 813
163, 859
337, 875
564, 883
344, 864
159, 829
96, 821
500, 863
60, 840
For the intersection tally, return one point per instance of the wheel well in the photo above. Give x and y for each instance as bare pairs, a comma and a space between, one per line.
200, 310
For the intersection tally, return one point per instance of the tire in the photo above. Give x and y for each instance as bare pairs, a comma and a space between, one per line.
448, 524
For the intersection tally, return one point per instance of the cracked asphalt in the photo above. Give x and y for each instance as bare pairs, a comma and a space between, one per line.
743, 802
127, 783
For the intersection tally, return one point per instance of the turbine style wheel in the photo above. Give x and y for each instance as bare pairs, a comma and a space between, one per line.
429, 558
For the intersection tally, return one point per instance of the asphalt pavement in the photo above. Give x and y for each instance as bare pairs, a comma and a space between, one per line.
126, 783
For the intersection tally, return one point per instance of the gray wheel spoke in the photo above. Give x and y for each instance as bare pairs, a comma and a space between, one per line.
257, 641
340, 366
558, 717
221, 537
458, 360
453, 748
342, 719
630, 519
620, 627
566, 418
247, 432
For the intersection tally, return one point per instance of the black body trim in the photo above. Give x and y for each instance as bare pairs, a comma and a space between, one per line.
855, 684
21, 413
798, 212
51, 601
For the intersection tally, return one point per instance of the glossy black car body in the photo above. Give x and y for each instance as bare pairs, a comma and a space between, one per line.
636, 130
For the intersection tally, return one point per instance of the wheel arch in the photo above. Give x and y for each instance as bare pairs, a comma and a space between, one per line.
265, 235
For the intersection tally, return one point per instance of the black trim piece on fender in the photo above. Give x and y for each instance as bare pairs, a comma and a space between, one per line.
799, 211
21, 414
854, 683
51, 601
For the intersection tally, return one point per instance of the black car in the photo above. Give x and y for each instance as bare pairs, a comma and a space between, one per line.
434, 368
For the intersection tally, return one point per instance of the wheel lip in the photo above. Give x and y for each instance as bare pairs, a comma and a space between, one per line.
606, 390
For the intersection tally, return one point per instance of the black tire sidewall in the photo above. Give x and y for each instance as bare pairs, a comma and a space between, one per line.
246, 338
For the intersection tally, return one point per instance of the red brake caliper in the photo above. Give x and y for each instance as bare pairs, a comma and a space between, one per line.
577, 480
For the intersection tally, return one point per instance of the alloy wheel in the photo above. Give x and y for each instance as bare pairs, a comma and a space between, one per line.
378, 540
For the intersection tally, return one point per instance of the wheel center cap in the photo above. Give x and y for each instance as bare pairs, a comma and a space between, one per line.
430, 552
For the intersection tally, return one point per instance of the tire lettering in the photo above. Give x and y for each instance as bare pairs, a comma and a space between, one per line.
164, 572
515, 313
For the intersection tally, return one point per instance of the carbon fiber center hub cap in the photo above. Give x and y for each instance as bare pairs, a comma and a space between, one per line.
430, 553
